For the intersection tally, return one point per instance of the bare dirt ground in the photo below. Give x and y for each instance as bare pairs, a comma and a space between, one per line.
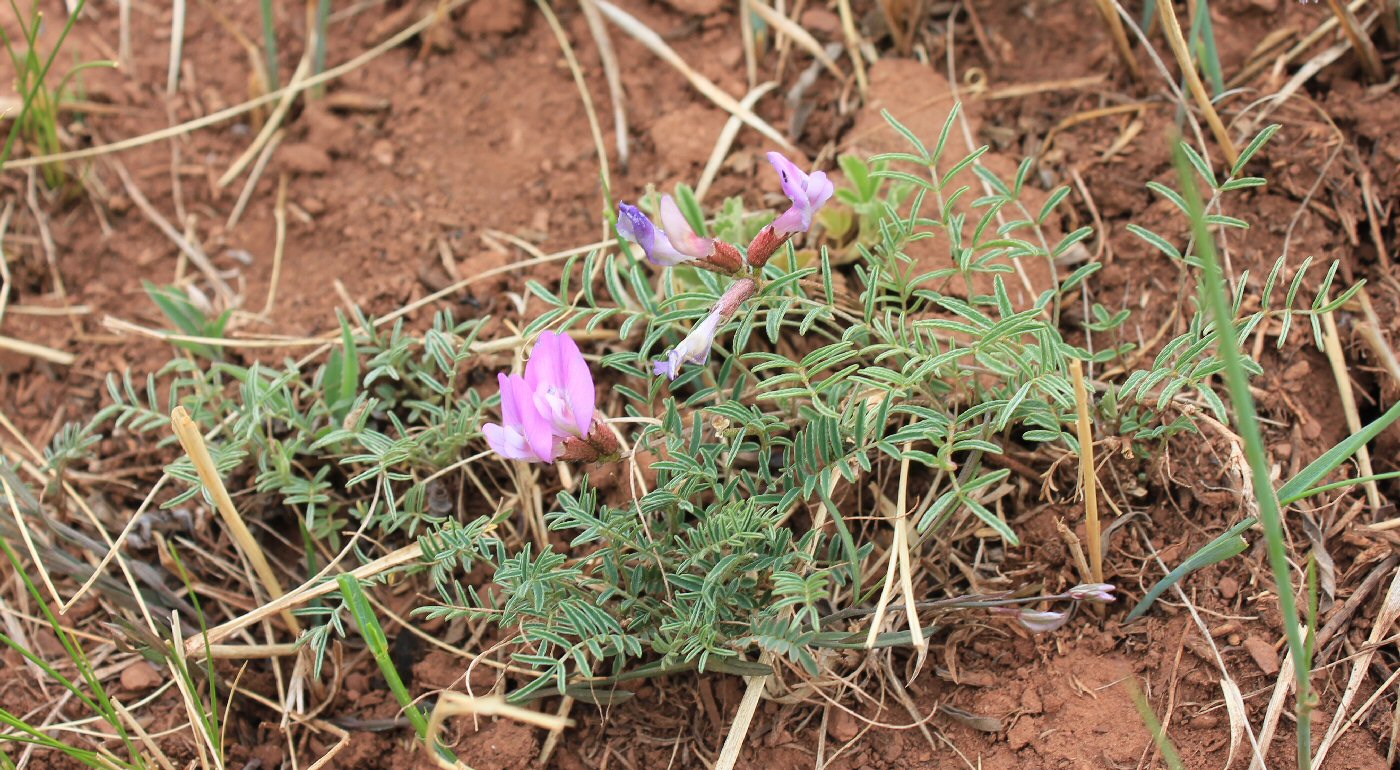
440, 158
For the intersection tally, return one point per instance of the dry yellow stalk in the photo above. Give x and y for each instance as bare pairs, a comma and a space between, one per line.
193, 442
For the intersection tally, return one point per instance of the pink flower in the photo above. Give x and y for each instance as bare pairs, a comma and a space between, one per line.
524, 433
808, 193
561, 385
553, 403
677, 244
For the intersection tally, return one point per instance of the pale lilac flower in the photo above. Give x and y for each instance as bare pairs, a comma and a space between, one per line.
808, 193
676, 245
561, 385
1093, 592
695, 348
1039, 622
524, 433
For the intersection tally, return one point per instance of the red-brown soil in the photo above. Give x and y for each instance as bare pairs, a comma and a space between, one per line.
435, 146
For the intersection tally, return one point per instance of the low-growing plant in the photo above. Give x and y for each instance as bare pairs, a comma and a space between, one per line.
763, 414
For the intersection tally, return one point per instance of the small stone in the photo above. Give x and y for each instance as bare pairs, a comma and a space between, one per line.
821, 21
1021, 734
1298, 370
383, 152
1228, 587
305, 158
1264, 654
327, 129
313, 206
697, 7
140, 677
494, 17
842, 726
1030, 701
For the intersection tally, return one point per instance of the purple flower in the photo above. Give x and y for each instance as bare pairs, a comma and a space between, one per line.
561, 385
524, 433
695, 348
1093, 592
677, 244
808, 192
1039, 622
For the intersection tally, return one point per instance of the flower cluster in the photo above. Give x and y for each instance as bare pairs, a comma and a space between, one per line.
676, 243
548, 414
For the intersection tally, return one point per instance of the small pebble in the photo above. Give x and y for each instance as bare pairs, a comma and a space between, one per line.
383, 152
1264, 654
140, 677
1228, 587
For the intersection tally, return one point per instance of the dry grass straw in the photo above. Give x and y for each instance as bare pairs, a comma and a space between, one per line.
35, 350
899, 561
232, 112
1332, 345
311, 589
1361, 667
612, 72
253, 177
568, 50
853, 45
1166, 12
273, 124
193, 443
279, 216
1120, 36
743, 717
6, 282
1360, 40
797, 34
124, 34
1088, 478
1371, 333
450, 704
1261, 63
726, 140
654, 43
177, 46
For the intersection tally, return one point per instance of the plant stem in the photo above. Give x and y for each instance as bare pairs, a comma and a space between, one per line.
1212, 285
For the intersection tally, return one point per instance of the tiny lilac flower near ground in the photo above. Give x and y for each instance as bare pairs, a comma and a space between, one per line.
695, 348
1041, 621
808, 193
1093, 592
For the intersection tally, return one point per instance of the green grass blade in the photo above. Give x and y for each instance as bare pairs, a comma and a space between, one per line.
378, 644
1212, 288
1229, 544
1296, 488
